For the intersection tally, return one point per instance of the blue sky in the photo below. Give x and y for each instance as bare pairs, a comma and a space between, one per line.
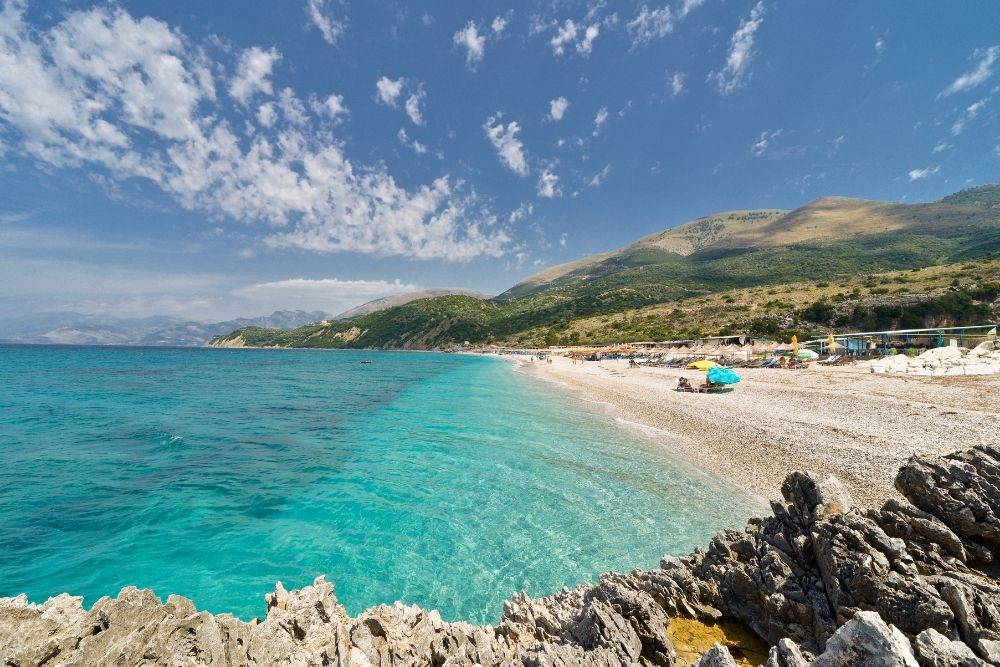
210, 160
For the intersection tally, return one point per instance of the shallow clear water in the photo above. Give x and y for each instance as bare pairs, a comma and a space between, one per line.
444, 480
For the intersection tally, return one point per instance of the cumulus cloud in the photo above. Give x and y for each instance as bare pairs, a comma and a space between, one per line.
677, 84
579, 36
557, 108
474, 44
414, 145
129, 98
499, 24
414, 104
978, 75
330, 28
548, 185
253, 74
388, 90
600, 120
650, 24
266, 114
521, 212
687, 6
917, 174
737, 69
509, 148
333, 107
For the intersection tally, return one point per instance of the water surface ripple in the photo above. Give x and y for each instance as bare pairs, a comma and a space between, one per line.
444, 480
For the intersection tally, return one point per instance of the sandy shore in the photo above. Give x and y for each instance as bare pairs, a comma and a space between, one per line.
845, 420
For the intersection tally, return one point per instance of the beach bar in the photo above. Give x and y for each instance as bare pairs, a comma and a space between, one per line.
880, 343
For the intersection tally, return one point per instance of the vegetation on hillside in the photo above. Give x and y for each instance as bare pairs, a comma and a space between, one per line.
926, 265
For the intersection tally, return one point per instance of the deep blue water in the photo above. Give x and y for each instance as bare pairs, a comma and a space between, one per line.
444, 480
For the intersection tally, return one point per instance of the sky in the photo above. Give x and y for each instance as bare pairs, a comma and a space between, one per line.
209, 160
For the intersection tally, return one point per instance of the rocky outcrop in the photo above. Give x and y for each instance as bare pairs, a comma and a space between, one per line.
823, 582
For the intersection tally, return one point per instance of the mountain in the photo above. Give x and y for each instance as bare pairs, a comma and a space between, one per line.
77, 329
400, 299
856, 243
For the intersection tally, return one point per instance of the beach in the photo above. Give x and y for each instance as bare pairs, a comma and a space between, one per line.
845, 420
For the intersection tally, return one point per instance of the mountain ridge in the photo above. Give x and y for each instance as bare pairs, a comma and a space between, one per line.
857, 242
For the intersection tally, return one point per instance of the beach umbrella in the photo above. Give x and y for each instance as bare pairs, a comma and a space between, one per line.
806, 355
831, 343
703, 364
795, 344
721, 375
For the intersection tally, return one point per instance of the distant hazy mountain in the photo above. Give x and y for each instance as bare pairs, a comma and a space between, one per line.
77, 329
398, 300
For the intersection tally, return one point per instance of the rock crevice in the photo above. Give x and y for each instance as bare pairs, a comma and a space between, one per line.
821, 581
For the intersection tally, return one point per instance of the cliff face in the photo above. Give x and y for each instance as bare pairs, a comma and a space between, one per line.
822, 582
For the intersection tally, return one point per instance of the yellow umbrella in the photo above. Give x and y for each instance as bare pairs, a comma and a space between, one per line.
795, 344
831, 343
703, 364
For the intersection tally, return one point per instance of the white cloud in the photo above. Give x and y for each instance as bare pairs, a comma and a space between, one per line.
521, 212
836, 144
917, 174
333, 106
253, 74
388, 90
548, 185
566, 34
499, 25
473, 43
687, 6
599, 177
968, 115
330, 295
509, 148
600, 120
586, 45
677, 83
880, 46
557, 108
330, 28
415, 145
940, 147
650, 24
737, 69
977, 75
413, 106
580, 37
134, 99
266, 115
763, 142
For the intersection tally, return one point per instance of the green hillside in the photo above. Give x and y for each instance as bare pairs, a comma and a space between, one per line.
852, 242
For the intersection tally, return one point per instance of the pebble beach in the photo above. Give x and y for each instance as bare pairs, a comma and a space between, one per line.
842, 420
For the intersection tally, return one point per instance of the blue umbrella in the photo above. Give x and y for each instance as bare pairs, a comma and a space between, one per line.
722, 376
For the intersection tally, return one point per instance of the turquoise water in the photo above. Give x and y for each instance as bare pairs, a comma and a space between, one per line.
444, 480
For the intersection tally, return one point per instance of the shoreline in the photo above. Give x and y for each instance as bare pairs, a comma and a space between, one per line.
844, 421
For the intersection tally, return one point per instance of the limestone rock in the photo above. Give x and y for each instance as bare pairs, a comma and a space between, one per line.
717, 656
867, 640
935, 650
819, 577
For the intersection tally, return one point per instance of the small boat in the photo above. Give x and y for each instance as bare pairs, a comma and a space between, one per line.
366, 361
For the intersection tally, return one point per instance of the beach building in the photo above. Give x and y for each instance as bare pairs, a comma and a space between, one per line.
880, 343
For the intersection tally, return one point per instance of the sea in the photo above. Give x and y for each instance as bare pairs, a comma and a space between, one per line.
445, 480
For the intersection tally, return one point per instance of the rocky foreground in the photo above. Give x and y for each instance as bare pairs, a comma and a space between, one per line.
822, 582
